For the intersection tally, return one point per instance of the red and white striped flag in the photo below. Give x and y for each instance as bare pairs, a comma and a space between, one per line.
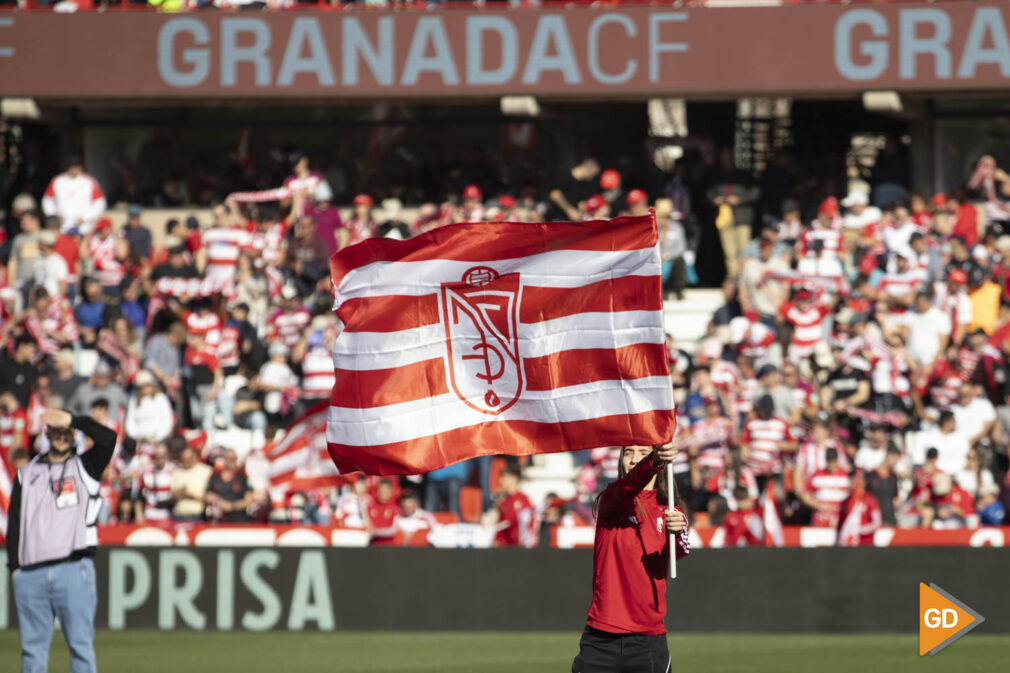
7, 477
774, 536
300, 462
490, 338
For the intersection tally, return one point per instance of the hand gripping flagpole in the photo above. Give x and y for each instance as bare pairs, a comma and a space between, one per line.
672, 490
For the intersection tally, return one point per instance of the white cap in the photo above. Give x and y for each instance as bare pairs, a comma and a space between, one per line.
856, 198
738, 329
143, 378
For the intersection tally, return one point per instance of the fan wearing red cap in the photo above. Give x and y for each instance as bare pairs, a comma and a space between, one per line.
509, 212
360, 225
610, 180
596, 208
472, 209
638, 202
826, 228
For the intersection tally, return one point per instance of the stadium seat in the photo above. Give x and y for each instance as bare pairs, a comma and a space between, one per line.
497, 465
471, 504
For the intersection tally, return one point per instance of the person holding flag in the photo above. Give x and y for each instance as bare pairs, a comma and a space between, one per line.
625, 630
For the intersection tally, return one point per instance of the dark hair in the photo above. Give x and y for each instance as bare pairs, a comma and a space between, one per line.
129, 446
741, 493
100, 403
386, 482
831, 455
718, 508
662, 488
512, 470
175, 446
932, 453
22, 340
945, 417
171, 224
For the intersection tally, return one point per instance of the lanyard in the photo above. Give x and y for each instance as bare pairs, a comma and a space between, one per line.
58, 491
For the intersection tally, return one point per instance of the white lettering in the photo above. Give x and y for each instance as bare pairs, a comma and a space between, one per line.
256, 53
379, 58
317, 62
310, 599
430, 29
225, 590
261, 590
949, 618
935, 45
931, 618
180, 598
476, 26
594, 49
656, 47
551, 28
875, 50
197, 58
122, 600
988, 21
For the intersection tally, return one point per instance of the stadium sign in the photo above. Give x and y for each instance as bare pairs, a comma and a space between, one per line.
616, 52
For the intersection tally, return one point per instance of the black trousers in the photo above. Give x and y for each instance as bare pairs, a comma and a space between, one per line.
602, 652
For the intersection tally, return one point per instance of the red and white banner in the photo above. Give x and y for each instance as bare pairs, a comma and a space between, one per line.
491, 338
300, 461
468, 535
195, 287
774, 537
812, 536
7, 477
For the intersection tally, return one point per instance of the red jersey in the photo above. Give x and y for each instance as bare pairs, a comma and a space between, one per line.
382, 517
288, 327
860, 517
765, 438
68, 248
517, 522
743, 529
710, 438
13, 423
631, 557
830, 487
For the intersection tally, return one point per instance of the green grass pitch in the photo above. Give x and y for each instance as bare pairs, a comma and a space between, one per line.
441, 652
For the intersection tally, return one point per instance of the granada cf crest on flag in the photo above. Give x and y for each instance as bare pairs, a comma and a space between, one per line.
479, 315
488, 338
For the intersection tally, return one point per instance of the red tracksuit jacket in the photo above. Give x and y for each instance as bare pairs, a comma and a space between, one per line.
629, 595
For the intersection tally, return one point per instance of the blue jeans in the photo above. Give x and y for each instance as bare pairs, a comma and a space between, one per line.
444, 491
482, 466
66, 591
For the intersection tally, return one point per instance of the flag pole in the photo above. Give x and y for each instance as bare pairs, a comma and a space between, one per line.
672, 489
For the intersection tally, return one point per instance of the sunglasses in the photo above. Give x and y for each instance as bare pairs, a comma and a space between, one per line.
63, 434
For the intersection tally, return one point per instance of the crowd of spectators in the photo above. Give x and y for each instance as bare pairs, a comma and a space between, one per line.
861, 349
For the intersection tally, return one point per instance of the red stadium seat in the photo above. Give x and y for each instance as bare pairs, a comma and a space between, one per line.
446, 518
471, 503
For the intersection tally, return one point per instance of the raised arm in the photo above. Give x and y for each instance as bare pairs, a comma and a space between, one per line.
620, 495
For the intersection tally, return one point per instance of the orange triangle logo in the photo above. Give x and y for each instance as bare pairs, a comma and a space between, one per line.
942, 619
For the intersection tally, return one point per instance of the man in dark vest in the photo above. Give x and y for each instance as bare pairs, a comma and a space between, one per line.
51, 540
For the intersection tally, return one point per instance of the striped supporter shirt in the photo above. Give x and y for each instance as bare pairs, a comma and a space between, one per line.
765, 438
